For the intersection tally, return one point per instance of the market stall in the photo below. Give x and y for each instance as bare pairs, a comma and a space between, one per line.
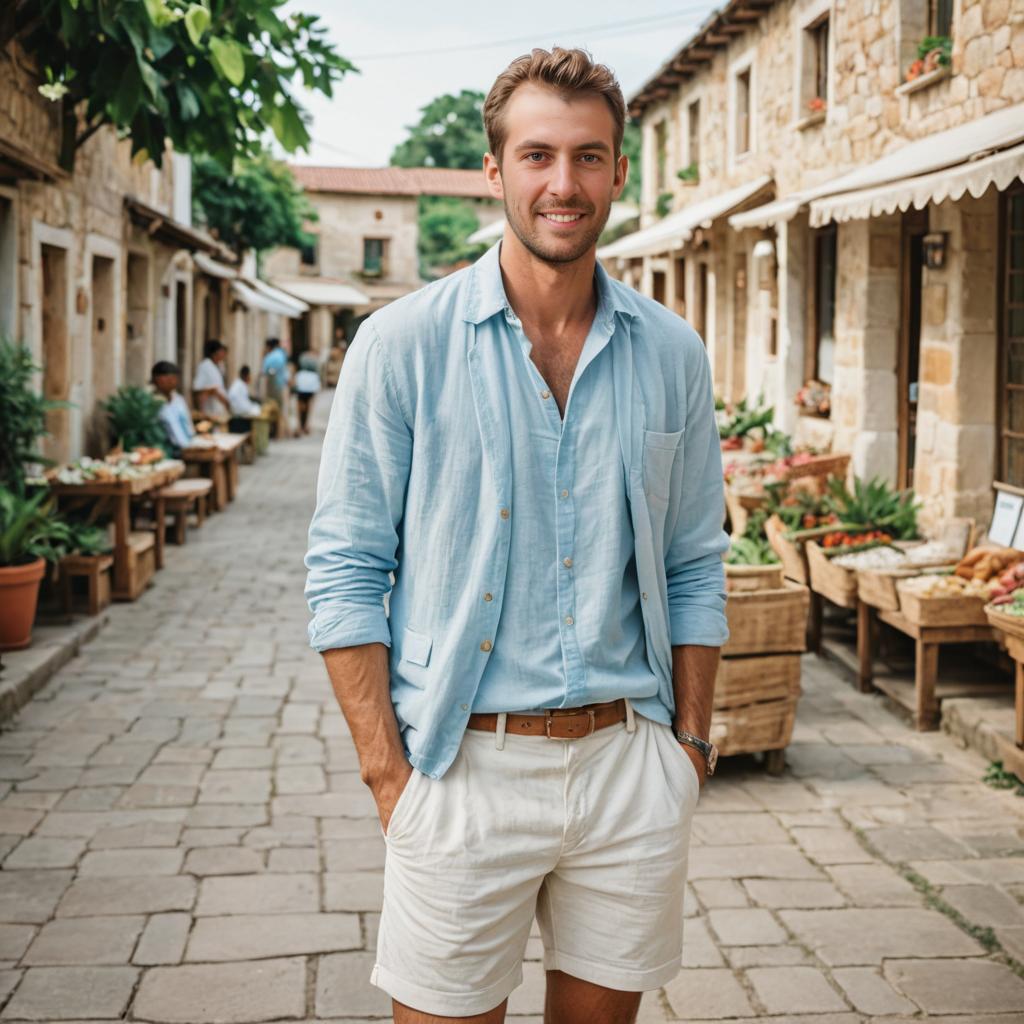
216, 456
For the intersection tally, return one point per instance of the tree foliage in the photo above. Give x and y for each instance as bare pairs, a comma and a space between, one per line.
210, 76
258, 205
449, 134
445, 224
631, 146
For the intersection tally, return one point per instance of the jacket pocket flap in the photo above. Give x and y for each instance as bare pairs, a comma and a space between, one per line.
416, 647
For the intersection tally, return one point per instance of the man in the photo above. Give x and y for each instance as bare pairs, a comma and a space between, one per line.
208, 383
275, 374
239, 399
530, 447
175, 416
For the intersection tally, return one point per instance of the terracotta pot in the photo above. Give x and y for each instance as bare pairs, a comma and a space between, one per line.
19, 593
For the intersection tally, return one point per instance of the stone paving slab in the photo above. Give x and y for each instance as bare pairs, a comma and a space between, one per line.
184, 836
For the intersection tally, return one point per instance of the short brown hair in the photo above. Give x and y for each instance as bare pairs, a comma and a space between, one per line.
569, 72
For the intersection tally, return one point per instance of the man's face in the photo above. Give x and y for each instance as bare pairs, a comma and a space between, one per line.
166, 383
220, 355
558, 174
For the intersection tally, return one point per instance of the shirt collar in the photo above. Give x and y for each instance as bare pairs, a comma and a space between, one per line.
487, 291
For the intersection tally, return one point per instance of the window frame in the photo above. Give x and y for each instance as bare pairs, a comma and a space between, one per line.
812, 360
382, 262
1007, 233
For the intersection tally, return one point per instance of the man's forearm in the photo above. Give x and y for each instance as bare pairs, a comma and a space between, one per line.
360, 677
693, 681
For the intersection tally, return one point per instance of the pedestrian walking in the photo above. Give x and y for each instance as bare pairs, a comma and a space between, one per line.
529, 447
275, 372
306, 387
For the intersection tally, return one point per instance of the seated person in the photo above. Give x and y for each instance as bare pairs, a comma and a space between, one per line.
208, 384
239, 398
175, 415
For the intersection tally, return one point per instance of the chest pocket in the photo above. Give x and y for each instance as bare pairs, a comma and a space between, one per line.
660, 454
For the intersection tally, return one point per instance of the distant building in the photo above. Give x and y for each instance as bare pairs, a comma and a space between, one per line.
365, 249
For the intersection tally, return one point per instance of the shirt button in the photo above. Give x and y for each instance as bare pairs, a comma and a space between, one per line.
644, 596
545, 394
569, 620
485, 646
565, 494
504, 513
488, 597
567, 562
465, 707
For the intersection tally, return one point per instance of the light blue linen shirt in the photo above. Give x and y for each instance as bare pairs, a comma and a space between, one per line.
176, 419
571, 629
416, 481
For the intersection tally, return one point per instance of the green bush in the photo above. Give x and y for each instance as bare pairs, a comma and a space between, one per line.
133, 415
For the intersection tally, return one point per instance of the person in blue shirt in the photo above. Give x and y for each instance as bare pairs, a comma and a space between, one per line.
516, 581
175, 415
276, 374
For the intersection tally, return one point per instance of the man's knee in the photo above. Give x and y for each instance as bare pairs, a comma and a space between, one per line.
407, 1015
571, 1000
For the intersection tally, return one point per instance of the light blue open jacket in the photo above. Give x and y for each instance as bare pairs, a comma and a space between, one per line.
415, 480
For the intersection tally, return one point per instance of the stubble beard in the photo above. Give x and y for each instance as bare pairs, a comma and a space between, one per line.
530, 237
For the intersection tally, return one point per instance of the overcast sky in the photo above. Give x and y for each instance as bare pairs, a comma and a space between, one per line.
366, 118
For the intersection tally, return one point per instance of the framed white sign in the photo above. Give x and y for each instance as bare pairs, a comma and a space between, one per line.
1006, 520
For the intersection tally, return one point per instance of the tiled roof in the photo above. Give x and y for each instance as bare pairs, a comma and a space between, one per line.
393, 181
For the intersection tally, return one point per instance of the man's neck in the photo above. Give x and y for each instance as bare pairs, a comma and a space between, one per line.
555, 295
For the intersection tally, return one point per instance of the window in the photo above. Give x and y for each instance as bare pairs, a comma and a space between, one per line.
693, 139
373, 256
1011, 459
823, 352
815, 69
661, 153
743, 112
940, 18
308, 255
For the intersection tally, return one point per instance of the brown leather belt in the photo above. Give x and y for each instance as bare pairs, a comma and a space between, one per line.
556, 723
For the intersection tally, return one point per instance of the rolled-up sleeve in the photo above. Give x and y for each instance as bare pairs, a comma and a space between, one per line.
693, 562
364, 468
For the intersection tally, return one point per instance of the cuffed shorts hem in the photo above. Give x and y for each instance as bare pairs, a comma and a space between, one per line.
445, 1004
613, 976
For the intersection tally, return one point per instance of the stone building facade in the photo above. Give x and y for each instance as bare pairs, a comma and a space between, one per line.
367, 235
822, 203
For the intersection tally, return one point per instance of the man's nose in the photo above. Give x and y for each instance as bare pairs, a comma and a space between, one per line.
563, 182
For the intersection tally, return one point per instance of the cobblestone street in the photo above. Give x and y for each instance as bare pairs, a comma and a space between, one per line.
185, 837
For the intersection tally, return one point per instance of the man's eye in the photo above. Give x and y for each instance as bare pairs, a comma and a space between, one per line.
530, 157
590, 158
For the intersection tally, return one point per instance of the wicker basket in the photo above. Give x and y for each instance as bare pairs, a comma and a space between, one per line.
754, 728
832, 581
877, 587
767, 621
757, 678
1011, 625
752, 577
794, 560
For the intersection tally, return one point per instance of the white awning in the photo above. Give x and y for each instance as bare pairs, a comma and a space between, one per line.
974, 177
297, 306
318, 292
675, 230
945, 151
617, 216
215, 268
256, 300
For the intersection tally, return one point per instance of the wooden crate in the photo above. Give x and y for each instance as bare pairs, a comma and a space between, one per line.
754, 728
877, 587
791, 554
941, 611
753, 577
1011, 625
748, 680
141, 562
767, 621
820, 465
832, 581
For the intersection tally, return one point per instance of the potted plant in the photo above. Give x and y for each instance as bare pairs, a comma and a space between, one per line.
30, 536
133, 416
689, 174
816, 105
22, 416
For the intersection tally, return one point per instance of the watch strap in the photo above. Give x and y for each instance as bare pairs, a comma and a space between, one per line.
706, 748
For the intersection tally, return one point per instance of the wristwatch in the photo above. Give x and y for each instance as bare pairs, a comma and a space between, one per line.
709, 750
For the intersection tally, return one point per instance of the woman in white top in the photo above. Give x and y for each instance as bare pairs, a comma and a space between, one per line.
208, 383
239, 398
305, 386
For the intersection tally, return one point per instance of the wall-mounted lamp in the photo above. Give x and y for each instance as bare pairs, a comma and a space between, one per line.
934, 249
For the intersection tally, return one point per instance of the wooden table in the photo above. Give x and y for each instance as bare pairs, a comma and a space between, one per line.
219, 462
927, 640
132, 568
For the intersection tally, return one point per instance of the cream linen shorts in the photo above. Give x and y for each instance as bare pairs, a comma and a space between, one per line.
591, 835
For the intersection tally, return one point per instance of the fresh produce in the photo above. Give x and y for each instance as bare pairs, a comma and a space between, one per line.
1003, 589
873, 505
946, 586
751, 551
1011, 604
935, 552
847, 539
745, 417
113, 467
877, 557
133, 417
987, 562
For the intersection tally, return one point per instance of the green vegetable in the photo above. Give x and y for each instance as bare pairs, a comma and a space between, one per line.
746, 418
873, 504
751, 551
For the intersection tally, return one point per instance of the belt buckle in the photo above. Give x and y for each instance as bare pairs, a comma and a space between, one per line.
549, 715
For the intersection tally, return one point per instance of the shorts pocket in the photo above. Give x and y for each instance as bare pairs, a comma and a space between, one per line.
399, 812
660, 452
